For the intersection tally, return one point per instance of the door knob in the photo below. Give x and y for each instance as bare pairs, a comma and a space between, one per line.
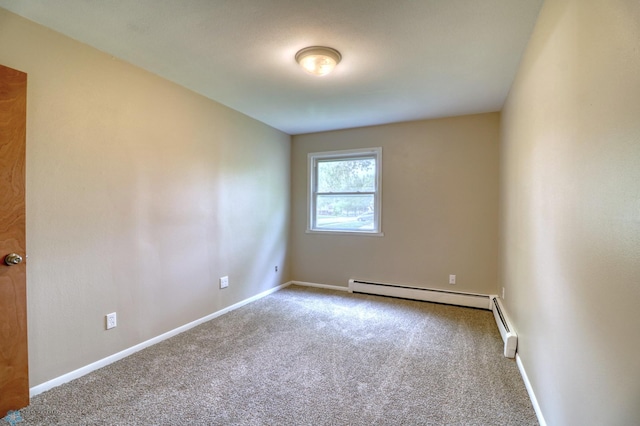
12, 259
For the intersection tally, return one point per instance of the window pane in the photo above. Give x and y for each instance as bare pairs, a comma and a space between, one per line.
358, 175
344, 212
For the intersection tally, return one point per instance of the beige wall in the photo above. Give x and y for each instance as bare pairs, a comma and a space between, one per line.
140, 195
571, 209
439, 207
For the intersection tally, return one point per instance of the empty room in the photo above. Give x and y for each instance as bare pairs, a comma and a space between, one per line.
320, 213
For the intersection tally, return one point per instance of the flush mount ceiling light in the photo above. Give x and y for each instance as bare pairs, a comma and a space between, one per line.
318, 60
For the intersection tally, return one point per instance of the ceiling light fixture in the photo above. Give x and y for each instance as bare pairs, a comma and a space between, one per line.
318, 60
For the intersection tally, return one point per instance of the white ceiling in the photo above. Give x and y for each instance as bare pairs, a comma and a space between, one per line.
402, 59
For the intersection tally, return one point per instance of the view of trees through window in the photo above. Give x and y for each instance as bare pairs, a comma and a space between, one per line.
345, 194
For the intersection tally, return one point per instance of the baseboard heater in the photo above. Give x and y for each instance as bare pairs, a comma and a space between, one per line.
417, 293
491, 303
509, 336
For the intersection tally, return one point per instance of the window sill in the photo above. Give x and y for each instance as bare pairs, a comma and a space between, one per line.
350, 233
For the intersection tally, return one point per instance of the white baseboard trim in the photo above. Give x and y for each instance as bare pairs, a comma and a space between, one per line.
329, 287
38, 389
532, 395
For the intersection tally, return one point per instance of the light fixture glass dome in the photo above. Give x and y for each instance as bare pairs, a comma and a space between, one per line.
318, 60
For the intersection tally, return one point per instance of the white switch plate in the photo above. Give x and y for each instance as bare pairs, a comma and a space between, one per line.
224, 282
111, 320
452, 279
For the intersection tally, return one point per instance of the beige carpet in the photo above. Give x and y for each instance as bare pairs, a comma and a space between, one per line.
306, 356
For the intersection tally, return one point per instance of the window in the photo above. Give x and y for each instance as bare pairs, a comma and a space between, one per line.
345, 191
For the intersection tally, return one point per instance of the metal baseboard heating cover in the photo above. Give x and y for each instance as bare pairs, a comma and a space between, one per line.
418, 293
509, 336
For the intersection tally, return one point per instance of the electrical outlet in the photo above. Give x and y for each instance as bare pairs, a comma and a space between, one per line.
111, 320
276, 268
452, 279
224, 282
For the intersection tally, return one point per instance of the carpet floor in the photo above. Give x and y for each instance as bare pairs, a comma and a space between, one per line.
307, 356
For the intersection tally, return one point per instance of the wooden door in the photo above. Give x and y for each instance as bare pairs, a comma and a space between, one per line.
14, 372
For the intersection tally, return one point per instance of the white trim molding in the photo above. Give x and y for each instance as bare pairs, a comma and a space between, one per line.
43, 387
532, 395
328, 287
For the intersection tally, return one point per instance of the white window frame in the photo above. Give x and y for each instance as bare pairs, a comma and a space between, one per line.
313, 158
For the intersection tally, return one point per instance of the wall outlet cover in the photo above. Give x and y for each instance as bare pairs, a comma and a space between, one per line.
224, 282
111, 320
